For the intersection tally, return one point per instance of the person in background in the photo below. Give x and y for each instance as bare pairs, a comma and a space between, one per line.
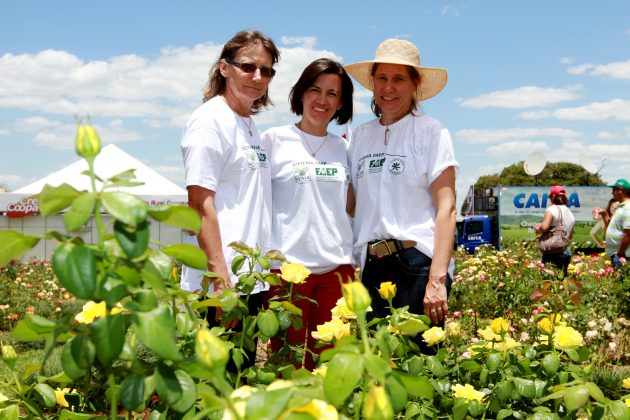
403, 172
311, 194
557, 213
618, 231
603, 218
225, 164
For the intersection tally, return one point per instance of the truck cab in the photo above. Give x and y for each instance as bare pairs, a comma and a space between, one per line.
474, 231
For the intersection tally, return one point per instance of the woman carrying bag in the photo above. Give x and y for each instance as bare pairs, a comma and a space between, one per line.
557, 214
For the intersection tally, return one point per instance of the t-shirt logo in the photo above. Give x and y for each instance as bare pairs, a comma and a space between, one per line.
301, 174
376, 165
396, 166
361, 168
252, 159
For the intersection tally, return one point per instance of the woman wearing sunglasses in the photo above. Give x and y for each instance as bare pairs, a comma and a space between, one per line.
226, 167
310, 181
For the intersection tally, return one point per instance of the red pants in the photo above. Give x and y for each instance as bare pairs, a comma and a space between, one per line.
325, 290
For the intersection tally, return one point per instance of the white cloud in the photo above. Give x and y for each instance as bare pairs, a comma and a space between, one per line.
522, 97
61, 136
4, 132
516, 148
9, 181
34, 124
616, 109
477, 136
606, 135
566, 60
619, 70
302, 41
533, 115
451, 9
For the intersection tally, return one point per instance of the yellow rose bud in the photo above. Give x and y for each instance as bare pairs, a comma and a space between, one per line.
92, 310
453, 329
387, 290
500, 326
294, 273
210, 350
357, 297
433, 335
60, 396
467, 392
8, 355
626, 383
87, 142
377, 404
565, 337
318, 409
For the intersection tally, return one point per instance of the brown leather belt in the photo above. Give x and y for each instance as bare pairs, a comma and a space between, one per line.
385, 248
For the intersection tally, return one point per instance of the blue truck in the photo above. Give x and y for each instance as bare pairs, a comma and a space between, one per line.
475, 231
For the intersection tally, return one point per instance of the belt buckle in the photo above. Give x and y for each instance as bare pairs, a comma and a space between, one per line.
381, 249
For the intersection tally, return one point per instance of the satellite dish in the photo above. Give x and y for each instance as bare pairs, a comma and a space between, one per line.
588, 164
535, 163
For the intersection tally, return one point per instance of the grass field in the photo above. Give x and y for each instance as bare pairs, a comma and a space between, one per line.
516, 233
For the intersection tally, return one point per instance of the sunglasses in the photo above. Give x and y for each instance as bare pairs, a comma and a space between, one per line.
251, 68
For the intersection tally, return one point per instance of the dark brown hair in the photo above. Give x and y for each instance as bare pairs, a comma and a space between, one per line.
216, 82
415, 78
307, 79
559, 199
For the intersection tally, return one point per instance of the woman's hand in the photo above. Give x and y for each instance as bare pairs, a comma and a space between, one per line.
435, 298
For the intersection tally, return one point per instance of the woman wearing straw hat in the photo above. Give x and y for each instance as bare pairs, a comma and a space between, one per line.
403, 171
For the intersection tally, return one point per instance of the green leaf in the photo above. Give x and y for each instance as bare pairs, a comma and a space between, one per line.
12, 412
71, 415
343, 374
504, 413
13, 244
596, 393
189, 392
108, 333
167, 384
126, 175
75, 266
77, 356
132, 392
619, 410
503, 390
436, 367
133, 240
79, 212
157, 269
292, 308
237, 263
573, 354
576, 397
493, 361
268, 404
188, 254
179, 216
125, 207
54, 199
417, 386
550, 364
397, 392
377, 366
460, 408
268, 323
113, 290
33, 328
46, 394
525, 387
156, 329
470, 366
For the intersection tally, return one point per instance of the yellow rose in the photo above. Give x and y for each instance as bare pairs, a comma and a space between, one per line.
387, 290
467, 392
489, 335
626, 383
335, 328
93, 310
546, 325
565, 337
357, 296
294, 273
453, 329
500, 326
61, 398
627, 401
341, 310
318, 409
240, 396
377, 404
433, 335
321, 371
87, 142
280, 384
508, 344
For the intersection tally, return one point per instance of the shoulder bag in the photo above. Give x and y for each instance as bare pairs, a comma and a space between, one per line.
556, 239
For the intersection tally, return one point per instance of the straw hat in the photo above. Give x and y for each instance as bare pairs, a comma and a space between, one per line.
399, 51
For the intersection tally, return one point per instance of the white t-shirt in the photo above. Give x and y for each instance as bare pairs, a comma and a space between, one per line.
309, 220
220, 155
568, 220
392, 181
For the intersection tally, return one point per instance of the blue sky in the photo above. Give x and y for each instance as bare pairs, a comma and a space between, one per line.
547, 76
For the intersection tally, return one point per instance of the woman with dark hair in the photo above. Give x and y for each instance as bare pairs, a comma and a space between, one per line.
403, 172
226, 166
557, 213
311, 193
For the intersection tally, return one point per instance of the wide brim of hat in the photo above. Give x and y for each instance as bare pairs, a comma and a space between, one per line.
432, 82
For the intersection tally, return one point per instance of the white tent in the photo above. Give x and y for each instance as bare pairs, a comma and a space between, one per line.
17, 208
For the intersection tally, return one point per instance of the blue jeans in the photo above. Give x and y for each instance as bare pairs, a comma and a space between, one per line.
409, 270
